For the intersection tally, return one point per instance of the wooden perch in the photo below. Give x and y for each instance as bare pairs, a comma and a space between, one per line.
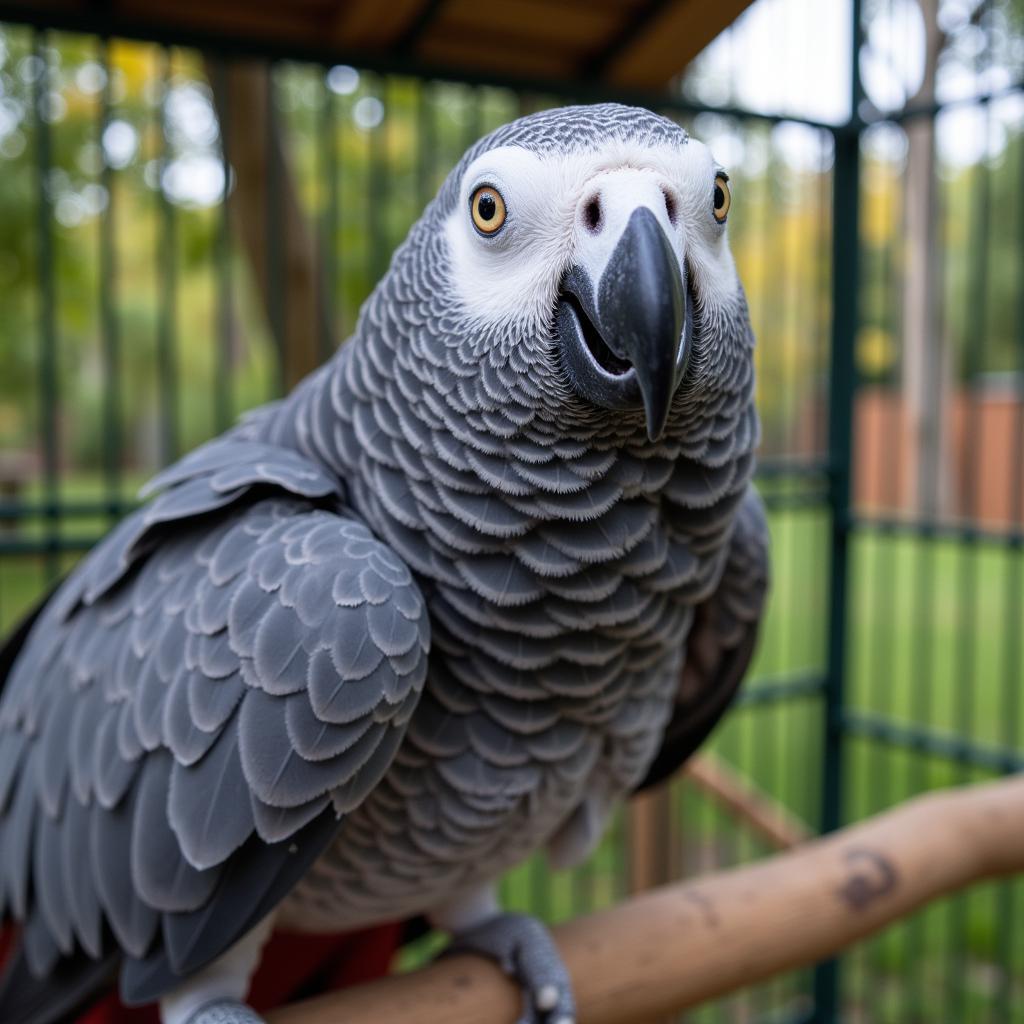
683, 944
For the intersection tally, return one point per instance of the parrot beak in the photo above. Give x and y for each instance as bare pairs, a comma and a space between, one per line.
626, 341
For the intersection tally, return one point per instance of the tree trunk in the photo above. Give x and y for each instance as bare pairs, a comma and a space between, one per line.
926, 359
267, 218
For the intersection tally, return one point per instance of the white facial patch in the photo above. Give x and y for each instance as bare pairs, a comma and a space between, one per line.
512, 277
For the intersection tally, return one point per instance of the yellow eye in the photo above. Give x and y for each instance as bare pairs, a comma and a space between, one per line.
723, 198
488, 210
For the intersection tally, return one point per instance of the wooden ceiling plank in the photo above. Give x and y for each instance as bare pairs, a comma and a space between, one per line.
465, 38
634, 44
576, 36
419, 26
619, 43
527, 20
261, 22
375, 25
670, 40
461, 54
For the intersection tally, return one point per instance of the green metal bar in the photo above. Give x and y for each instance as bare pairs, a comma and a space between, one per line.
924, 740
822, 311
109, 326
812, 780
328, 222
167, 260
426, 157
783, 286
347, 255
51, 546
756, 734
1013, 616
54, 508
933, 109
773, 733
923, 615
377, 186
48, 385
933, 529
781, 466
222, 398
842, 386
976, 332
275, 237
884, 782
769, 691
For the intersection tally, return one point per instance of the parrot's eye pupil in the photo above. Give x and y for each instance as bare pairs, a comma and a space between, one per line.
488, 210
722, 198
486, 206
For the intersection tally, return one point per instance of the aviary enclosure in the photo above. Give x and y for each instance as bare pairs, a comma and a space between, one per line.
183, 234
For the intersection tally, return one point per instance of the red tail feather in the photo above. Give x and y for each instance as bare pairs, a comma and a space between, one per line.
293, 966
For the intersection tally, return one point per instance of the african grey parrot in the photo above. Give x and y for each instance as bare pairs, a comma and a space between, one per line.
369, 649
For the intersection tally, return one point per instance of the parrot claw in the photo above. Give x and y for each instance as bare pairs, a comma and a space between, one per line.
225, 1011
523, 949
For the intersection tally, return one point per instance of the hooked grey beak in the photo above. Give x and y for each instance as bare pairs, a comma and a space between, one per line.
626, 342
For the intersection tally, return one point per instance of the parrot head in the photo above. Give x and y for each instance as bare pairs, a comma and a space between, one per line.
586, 247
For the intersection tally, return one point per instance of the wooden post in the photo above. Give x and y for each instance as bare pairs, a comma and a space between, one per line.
927, 369
650, 845
268, 216
687, 943
769, 820
650, 840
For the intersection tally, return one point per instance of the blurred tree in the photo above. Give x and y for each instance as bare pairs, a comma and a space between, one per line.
926, 358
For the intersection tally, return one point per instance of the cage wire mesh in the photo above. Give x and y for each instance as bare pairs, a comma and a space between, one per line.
150, 294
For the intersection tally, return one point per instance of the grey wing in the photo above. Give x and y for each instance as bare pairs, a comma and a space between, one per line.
217, 475
721, 642
174, 753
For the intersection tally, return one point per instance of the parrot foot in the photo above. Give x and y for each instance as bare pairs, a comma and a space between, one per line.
523, 949
225, 1011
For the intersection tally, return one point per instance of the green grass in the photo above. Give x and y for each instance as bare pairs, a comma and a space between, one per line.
934, 640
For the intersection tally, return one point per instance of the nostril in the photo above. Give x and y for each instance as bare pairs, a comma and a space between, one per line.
670, 206
592, 214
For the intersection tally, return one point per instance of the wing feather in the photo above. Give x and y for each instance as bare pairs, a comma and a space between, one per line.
252, 883
184, 733
208, 807
133, 922
48, 881
162, 877
83, 901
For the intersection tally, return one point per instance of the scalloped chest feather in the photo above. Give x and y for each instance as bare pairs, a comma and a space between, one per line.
561, 566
